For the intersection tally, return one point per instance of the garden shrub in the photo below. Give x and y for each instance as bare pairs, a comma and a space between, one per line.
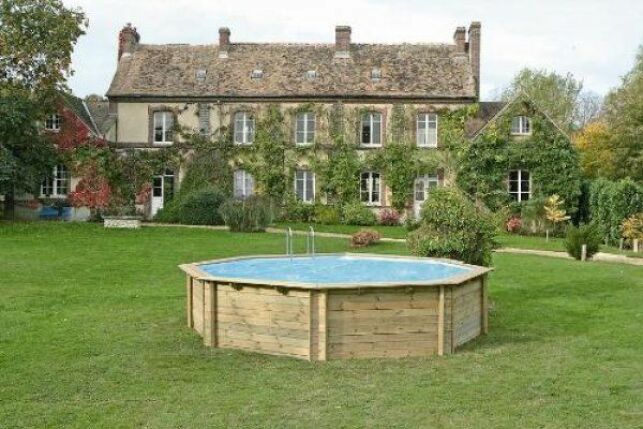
632, 227
365, 237
357, 214
514, 225
532, 214
327, 215
389, 217
201, 207
411, 223
611, 203
252, 214
577, 236
297, 211
452, 226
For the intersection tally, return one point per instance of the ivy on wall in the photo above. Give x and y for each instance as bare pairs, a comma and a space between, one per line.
484, 163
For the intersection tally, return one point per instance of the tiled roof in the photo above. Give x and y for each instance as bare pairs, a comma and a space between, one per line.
99, 109
486, 111
407, 70
77, 105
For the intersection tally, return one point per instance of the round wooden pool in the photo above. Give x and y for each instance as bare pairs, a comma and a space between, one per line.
337, 306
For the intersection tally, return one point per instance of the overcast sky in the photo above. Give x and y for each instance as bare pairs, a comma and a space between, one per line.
594, 40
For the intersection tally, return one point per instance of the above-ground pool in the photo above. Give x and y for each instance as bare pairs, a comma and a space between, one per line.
335, 306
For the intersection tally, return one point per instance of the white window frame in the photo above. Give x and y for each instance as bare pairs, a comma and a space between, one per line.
370, 119
426, 181
247, 132
517, 195
427, 137
52, 187
166, 127
370, 181
307, 176
524, 126
306, 133
247, 182
53, 122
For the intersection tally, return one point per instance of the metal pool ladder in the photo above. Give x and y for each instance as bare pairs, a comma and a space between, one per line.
310, 241
289, 250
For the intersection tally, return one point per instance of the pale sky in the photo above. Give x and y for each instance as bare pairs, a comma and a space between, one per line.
594, 40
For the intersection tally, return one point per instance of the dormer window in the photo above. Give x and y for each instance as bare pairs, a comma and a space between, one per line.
53, 122
257, 74
201, 75
376, 74
520, 126
311, 74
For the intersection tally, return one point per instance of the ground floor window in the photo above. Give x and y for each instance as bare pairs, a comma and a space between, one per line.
423, 184
58, 184
520, 185
305, 185
370, 188
244, 184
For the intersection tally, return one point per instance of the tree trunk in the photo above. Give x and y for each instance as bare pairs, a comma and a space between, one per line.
9, 206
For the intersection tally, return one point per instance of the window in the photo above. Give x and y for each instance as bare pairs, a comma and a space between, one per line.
311, 74
305, 185
305, 128
520, 126
57, 185
370, 188
520, 185
256, 74
427, 130
244, 128
376, 74
244, 184
371, 130
163, 127
423, 185
204, 120
53, 122
201, 74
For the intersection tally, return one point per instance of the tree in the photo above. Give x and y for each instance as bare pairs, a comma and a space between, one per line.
588, 108
557, 95
595, 148
624, 115
554, 211
37, 38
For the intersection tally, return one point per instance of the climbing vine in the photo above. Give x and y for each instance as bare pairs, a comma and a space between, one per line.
548, 154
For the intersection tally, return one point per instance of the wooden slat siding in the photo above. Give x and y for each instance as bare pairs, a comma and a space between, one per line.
197, 305
468, 309
441, 322
323, 326
313, 325
485, 304
382, 322
188, 292
262, 319
210, 314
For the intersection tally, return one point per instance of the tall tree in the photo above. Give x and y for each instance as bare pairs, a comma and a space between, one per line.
624, 115
37, 38
594, 144
557, 95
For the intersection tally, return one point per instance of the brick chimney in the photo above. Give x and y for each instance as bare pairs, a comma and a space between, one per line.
224, 42
342, 41
474, 53
128, 39
459, 39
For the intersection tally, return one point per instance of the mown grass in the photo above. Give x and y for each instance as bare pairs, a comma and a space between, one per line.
92, 334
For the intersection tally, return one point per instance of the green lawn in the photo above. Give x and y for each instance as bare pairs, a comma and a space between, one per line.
92, 334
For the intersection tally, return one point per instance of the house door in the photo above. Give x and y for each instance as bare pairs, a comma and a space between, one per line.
423, 184
162, 191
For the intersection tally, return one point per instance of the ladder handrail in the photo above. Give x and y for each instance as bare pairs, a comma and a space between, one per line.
310, 241
289, 241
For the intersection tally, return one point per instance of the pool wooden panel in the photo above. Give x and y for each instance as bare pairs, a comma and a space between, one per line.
318, 324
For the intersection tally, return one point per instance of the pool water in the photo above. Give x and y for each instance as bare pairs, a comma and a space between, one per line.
335, 269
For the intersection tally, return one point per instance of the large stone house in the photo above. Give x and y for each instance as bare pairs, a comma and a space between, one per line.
207, 87
228, 86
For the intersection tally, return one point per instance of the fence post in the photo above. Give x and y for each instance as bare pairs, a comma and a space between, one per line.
583, 253
635, 245
620, 244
